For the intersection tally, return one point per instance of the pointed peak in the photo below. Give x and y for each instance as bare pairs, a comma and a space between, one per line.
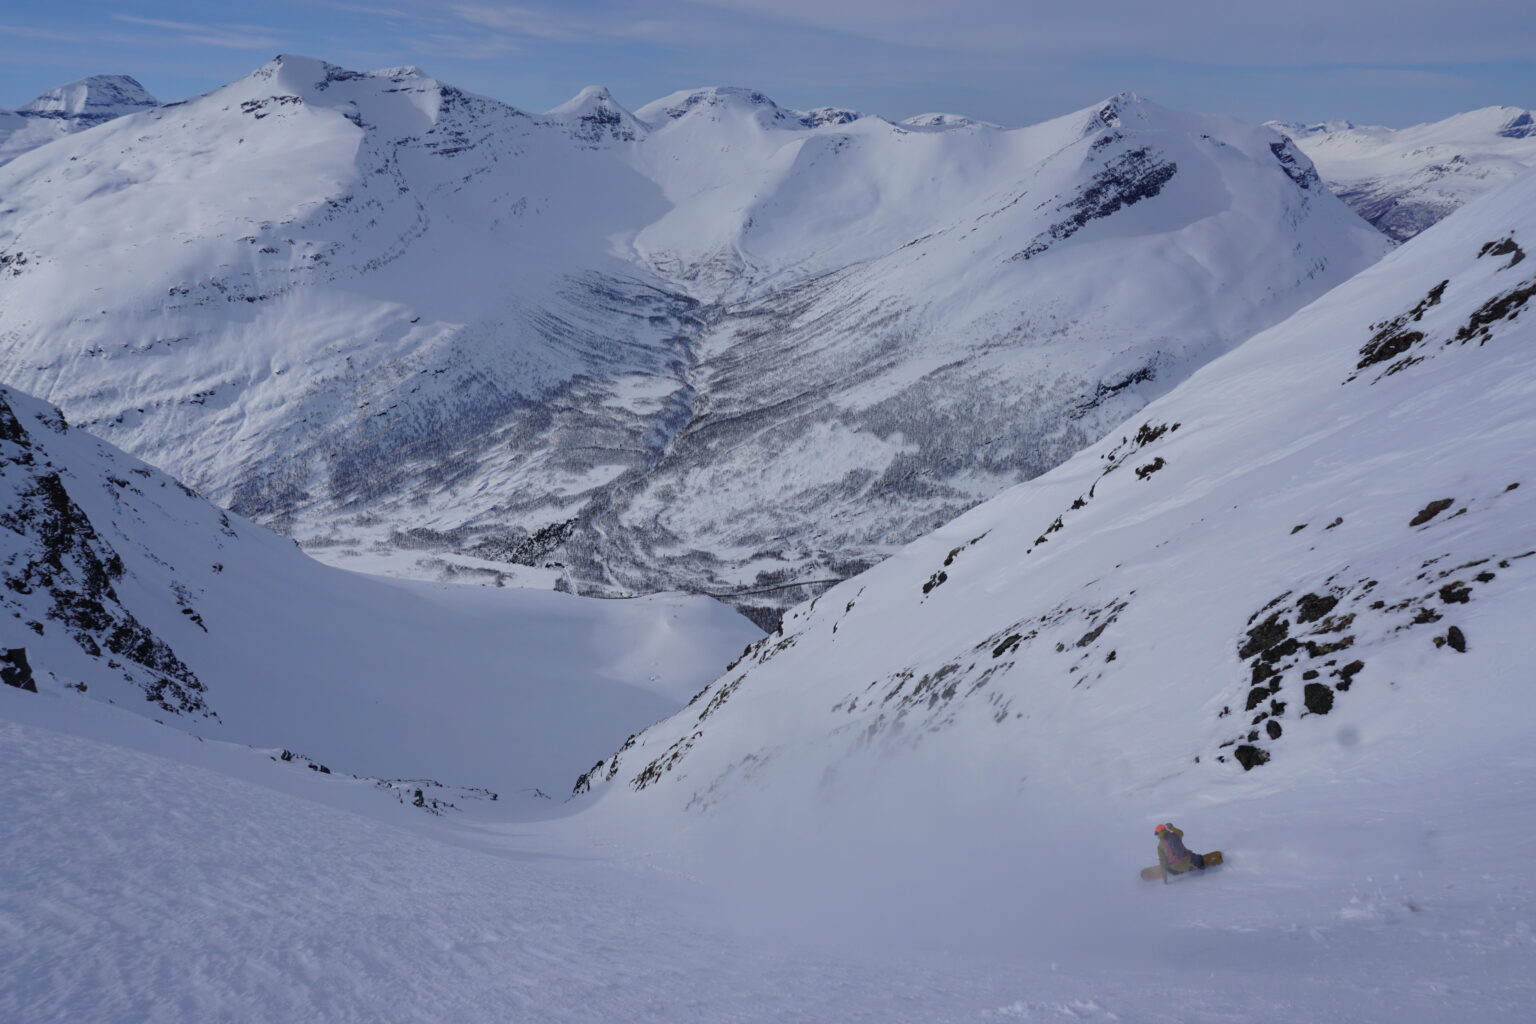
589, 98
1112, 112
1520, 126
593, 116
98, 95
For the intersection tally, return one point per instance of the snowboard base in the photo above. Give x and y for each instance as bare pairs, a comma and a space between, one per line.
1155, 872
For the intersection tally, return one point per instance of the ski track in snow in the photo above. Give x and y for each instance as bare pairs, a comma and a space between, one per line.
171, 892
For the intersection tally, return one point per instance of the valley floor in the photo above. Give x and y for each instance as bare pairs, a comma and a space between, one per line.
152, 877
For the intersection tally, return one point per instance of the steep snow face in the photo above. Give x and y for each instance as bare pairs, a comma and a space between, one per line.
715, 345
68, 109
1313, 561
1404, 180
594, 117
103, 96
125, 587
77, 591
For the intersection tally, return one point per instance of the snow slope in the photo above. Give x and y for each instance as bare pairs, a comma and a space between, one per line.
1404, 180
125, 587
151, 878
1307, 568
385, 315
68, 109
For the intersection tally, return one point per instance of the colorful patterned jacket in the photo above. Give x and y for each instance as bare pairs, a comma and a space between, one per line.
1172, 854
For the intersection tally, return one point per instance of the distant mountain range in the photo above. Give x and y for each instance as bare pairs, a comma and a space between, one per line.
68, 109
1404, 180
712, 344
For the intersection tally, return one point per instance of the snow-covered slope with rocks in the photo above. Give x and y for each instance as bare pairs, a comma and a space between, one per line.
68, 109
122, 586
712, 344
1311, 563
1404, 180
593, 117
938, 120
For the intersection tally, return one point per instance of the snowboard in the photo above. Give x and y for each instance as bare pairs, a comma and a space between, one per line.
1155, 872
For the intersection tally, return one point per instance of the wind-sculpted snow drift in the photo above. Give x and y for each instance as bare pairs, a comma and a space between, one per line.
119, 584
1404, 180
1313, 561
712, 344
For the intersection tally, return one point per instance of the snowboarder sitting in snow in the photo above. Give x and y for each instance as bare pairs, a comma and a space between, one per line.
1173, 855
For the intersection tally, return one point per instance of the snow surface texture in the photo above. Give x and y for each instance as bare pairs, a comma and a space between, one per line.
711, 344
68, 109
150, 877
1404, 180
126, 587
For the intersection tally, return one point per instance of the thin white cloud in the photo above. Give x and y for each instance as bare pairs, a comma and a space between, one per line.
1215, 32
26, 32
521, 20
368, 9
234, 37
663, 22
1405, 78
481, 47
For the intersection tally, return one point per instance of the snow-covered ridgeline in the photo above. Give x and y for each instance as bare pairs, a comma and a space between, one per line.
386, 315
1403, 180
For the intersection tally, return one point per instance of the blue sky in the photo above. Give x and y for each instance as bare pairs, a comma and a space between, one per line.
1012, 61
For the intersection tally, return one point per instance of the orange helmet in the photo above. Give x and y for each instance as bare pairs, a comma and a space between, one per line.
1160, 829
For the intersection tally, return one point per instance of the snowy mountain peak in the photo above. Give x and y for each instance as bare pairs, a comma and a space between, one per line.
320, 82
941, 120
1404, 179
712, 101
103, 96
593, 116
828, 115
400, 72
1298, 129
297, 71
1504, 121
68, 109
1521, 126
1112, 112
590, 98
